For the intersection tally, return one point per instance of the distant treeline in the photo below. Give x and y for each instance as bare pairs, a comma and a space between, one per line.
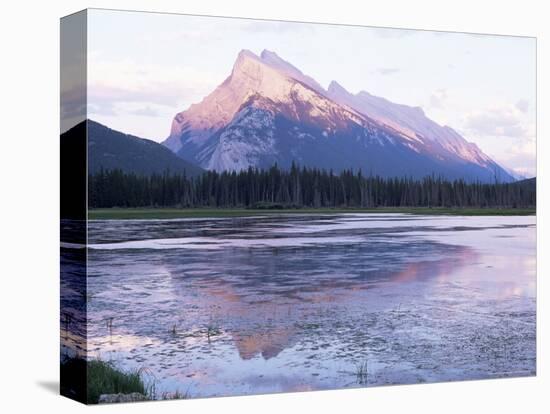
297, 188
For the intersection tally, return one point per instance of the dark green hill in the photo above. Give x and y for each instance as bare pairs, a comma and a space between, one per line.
110, 149
528, 182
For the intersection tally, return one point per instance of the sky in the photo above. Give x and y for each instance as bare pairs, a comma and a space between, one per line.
143, 68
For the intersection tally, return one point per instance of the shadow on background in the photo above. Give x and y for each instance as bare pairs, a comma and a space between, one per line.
51, 386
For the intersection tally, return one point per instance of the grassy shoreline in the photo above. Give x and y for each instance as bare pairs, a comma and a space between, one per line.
171, 213
86, 381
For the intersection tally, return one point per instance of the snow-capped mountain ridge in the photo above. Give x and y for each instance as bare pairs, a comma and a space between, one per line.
410, 121
273, 60
267, 111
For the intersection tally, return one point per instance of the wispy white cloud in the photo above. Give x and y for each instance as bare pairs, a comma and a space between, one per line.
438, 98
145, 111
511, 133
498, 121
523, 164
387, 71
522, 105
267, 26
179, 35
118, 88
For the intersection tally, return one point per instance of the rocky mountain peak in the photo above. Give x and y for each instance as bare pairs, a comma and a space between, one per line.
268, 111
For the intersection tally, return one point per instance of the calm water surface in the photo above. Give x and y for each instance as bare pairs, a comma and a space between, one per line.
285, 303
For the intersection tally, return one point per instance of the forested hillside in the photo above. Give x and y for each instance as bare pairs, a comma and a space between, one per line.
299, 187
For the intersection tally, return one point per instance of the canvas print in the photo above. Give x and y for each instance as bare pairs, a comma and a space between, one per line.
254, 206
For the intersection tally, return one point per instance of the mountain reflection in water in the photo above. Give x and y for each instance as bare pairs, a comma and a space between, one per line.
283, 303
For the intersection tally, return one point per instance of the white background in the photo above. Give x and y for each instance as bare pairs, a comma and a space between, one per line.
29, 193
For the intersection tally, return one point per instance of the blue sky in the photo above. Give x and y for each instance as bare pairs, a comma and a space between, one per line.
143, 68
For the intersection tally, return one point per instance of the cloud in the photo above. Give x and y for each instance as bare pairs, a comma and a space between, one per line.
145, 111
510, 133
500, 121
73, 106
105, 108
525, 171
116, 87
438, 98
522, 105
185, 34
277, 27
522, 164
161, 93
387, 71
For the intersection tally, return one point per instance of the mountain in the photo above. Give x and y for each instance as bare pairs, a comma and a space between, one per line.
110, 149
414, 124
267, 111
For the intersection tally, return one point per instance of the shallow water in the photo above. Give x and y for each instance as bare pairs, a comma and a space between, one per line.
285, 303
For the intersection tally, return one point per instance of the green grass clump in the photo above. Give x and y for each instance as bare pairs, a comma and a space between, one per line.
105, 379
85, 381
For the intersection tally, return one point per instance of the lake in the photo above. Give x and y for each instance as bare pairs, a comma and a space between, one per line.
273, 303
